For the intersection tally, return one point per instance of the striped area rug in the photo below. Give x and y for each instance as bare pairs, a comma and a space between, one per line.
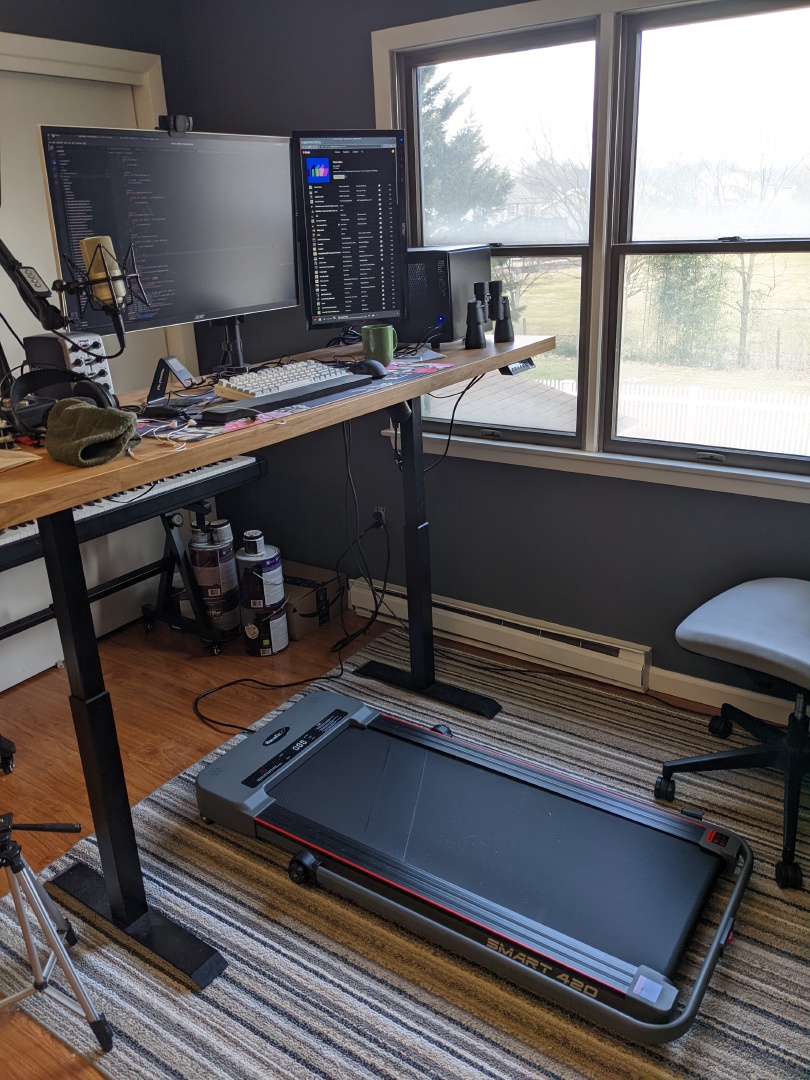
316, 987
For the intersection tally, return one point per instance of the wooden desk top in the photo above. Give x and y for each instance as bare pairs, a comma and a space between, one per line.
46, 486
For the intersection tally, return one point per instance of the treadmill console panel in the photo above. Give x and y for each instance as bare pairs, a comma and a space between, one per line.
274, 765
231, 790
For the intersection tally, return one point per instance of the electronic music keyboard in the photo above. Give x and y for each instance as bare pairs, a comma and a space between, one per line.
21, 543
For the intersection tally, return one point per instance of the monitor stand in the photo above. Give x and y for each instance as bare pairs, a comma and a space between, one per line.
233, 356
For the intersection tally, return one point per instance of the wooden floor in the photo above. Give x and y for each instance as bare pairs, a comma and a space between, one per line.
153, 680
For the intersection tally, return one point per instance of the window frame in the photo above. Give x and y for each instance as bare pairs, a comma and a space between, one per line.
621, 245
769, 476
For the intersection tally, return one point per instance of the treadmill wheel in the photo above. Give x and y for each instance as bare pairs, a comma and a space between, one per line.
665, 788
719, 725
302, 868
788, 875
442, 729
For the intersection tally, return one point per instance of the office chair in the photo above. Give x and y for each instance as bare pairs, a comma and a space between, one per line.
763, 626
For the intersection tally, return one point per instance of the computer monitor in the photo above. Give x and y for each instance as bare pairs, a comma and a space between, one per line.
208, 217
350, 200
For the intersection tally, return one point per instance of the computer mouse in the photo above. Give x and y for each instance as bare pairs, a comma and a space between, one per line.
369, 367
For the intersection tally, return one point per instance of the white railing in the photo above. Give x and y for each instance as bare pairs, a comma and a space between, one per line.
773, 422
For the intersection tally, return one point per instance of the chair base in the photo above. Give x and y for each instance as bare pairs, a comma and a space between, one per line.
787, 749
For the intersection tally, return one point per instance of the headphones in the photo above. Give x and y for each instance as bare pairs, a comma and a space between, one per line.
33, 394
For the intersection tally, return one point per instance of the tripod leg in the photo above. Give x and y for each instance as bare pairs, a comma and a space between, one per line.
62, 924
29, 886
25, 926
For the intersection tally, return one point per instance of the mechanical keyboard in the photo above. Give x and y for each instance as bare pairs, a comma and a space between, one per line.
279, 385
20, 543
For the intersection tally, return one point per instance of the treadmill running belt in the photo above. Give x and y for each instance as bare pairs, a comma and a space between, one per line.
556, 861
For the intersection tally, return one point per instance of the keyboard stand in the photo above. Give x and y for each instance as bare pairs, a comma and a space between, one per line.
166, 609
117, 894
422, 677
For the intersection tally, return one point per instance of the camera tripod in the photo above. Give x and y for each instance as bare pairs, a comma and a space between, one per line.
56, 928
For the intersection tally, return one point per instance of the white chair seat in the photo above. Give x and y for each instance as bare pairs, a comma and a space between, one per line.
763, 625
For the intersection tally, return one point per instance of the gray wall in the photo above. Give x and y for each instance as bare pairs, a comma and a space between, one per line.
611, 556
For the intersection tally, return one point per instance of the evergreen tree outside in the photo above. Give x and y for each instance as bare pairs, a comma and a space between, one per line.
462, 188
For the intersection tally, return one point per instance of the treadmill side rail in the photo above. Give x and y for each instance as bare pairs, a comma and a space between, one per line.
643, 1029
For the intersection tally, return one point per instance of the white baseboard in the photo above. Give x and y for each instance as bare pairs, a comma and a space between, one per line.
620, 663
703, 692
608, 660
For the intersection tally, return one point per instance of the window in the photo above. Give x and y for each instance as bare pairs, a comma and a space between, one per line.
502, 157
701, 262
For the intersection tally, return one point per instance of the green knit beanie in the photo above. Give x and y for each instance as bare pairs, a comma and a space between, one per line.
80, 433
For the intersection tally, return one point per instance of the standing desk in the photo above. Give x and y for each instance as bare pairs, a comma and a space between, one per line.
48, 490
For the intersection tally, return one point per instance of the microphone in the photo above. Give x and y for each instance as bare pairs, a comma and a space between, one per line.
108, 283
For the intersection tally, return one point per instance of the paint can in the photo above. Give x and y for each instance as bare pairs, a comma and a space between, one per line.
213, 562
261, 595
264, 630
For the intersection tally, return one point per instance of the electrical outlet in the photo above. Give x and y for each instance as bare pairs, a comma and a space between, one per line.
381, 511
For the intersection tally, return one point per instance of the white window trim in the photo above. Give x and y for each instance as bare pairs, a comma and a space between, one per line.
385, 45
788, 487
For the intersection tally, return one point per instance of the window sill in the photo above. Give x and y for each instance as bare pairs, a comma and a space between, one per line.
789, 487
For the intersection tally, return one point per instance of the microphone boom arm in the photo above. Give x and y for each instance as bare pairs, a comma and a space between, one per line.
33, 291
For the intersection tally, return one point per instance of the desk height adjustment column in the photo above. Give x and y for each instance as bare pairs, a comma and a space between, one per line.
422, 677
117, 894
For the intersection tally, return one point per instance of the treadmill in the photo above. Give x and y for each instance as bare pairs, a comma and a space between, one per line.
582, 896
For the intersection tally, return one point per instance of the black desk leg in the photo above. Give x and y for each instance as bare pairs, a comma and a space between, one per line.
422, 677
119, 894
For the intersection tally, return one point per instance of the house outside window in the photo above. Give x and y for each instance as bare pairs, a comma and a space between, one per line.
652, 169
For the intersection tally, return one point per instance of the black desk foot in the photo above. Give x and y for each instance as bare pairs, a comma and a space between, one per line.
186, 953
450, 695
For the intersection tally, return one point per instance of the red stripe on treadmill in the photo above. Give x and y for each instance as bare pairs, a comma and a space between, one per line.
431, 903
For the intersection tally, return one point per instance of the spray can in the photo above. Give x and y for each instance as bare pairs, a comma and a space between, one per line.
213, 562
261, 596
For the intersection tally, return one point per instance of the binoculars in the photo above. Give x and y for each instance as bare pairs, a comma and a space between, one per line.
489, 303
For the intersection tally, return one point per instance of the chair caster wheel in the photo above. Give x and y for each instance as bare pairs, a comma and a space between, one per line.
215, 648
720, 726
788, 875
664, 788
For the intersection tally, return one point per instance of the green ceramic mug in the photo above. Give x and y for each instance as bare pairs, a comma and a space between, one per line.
379, 342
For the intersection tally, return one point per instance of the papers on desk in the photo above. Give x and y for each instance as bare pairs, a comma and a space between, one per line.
10, 459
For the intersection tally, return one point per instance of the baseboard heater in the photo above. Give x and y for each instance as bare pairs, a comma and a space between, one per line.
609, 660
